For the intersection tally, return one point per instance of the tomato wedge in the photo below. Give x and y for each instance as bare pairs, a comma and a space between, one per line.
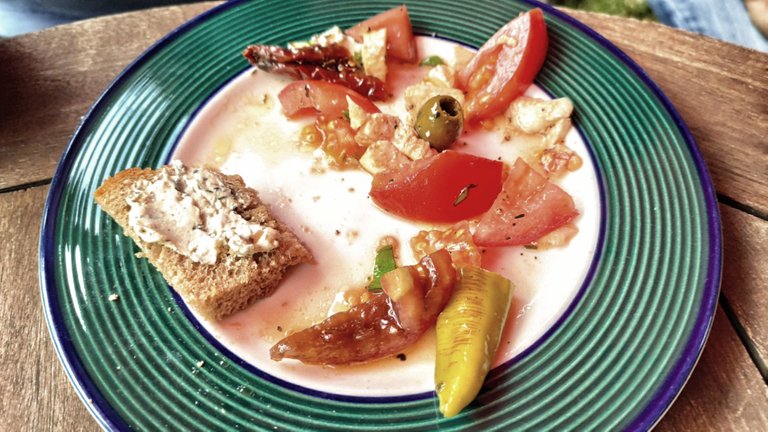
382, 326
505, 66
312, 97
400, 42
528, 207
445, 188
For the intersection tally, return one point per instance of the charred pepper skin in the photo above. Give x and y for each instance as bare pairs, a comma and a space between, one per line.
332, 63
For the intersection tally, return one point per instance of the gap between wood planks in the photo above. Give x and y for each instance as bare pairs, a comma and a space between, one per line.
744, 337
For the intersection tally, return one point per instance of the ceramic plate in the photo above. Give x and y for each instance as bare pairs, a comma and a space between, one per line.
614, 356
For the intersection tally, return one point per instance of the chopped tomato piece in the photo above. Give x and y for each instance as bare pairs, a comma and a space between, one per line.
505, 66
528, 207
313, 97
457, 240
400, 42
338, 141
382, 326
445, 188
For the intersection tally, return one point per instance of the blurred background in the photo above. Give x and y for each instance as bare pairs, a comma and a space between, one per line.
744, 22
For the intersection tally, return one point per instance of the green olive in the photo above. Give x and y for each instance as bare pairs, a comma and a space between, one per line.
439, 121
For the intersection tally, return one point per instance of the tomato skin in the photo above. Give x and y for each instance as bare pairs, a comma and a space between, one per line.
428, 189
400, 42
504, 66
543, 205
313, 97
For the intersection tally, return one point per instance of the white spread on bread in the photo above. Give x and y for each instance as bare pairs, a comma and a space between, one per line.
194, 213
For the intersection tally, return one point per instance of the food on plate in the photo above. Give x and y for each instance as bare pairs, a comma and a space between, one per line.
412, 144
319, 97
457, 240
528, 207
206, 232
400, 42
440, 121
363, 109
468, 334
504, 66
412, 298
446, 188
332, 63
384, 263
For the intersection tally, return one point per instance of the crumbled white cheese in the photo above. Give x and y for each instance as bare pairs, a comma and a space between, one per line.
407, 141
382, 155
536, 115
441, 76
333, 35
461, 57
374, 53
357, 115
194, 213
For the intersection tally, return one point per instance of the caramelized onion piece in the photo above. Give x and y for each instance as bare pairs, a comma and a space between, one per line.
380, 327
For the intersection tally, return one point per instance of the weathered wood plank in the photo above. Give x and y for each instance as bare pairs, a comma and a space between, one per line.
725, 392
37, 382
745, 274
49, 79
35, 394
721, 91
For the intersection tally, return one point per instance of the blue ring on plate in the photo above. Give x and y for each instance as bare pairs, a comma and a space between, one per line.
108, 418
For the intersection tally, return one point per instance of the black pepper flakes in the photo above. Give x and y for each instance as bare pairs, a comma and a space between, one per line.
401, 357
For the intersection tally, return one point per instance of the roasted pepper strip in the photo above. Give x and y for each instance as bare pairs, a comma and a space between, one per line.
468, 334
383, 326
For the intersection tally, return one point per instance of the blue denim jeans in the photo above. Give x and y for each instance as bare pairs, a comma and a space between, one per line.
722, 19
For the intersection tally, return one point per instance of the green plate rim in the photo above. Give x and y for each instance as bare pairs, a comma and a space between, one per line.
108, 418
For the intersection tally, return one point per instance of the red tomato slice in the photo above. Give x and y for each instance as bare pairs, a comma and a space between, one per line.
330, 100
505, 66
445, 188
528, 207
400, 42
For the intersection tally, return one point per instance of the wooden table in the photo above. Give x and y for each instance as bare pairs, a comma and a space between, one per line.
50, 78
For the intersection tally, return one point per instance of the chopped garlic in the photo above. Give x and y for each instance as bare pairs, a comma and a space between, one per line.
374, 52
333, 35
406, 140
357, 115
461, 57
536, 115
382, 155
441, 76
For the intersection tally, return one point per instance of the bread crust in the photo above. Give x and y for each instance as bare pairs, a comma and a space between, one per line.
232, 283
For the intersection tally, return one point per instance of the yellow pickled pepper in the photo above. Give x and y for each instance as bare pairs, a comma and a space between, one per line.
468, 334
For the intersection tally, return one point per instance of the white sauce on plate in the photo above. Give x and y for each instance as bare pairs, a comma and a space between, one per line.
243, 131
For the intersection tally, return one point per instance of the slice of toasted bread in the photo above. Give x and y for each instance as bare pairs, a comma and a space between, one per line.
233, 282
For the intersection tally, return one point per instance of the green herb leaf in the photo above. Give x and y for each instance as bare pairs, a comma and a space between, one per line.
385, 262
463, 194
531, 246
345, 113
432, 61
358, 57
